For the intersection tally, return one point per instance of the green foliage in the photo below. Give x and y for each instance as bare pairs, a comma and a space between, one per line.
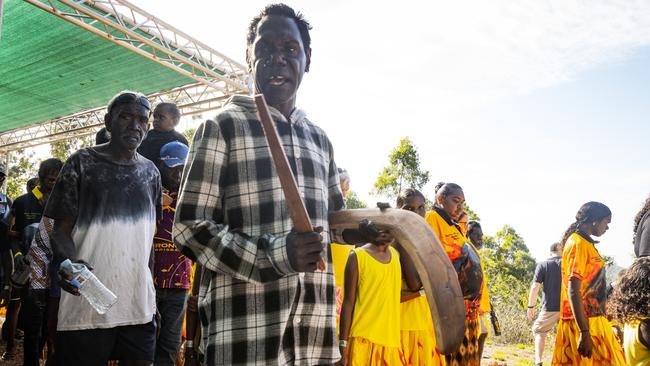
22, 167
403, 171
63, 149
509, 268
352, 200
189, 134
472, 215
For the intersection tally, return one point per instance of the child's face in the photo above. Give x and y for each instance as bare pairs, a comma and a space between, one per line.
163, 119
415, 204
452, 204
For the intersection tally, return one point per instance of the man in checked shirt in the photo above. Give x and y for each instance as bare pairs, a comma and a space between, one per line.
261, 299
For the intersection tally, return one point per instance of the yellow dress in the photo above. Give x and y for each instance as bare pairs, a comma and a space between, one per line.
375, 332
452, 238
636, 353
581, 260
340, 253
418, 338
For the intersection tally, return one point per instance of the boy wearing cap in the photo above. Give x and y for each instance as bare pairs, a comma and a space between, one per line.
171, 268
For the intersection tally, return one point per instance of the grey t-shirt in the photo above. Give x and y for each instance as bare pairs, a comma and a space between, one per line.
115, 208
549, 274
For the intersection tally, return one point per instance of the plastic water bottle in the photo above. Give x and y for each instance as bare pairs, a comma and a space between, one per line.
90, 287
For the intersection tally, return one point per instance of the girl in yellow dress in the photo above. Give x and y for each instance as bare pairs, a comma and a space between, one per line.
417, 334
584, 336
370, 317
448, 208
629, 304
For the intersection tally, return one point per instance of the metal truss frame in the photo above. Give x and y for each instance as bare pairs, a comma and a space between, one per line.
126, 25
191, 99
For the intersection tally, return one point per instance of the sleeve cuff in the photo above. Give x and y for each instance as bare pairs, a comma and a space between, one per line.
276, 251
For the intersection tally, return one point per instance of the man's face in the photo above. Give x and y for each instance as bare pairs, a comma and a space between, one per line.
277, 59
164, 119
128, 125
47, 182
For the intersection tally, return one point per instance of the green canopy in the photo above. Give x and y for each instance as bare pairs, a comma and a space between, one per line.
50, 68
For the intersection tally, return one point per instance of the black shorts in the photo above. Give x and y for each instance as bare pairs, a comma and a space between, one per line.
96, 346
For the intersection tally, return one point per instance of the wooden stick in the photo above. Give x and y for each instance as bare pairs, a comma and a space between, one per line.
297, 209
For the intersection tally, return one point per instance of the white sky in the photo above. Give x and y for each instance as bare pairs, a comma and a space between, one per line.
534, 107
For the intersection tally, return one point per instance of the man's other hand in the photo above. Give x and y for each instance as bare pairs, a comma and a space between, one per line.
304, 250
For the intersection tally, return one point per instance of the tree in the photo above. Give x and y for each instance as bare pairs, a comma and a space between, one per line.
403, 171
64, 148
21, 168
472, 215
509, 269
353, 201
189, 134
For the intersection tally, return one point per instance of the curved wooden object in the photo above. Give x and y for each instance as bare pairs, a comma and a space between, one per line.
436, 272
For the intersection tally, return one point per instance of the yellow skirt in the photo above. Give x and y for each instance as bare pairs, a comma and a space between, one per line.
419, 348
606, 351
467, 354
362, 352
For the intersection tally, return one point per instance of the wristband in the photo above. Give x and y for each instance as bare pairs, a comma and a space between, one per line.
189, 344
343, 343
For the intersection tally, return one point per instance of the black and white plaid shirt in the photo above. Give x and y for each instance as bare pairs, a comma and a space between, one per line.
254, 308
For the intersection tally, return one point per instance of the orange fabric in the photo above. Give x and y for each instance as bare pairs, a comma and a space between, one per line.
365, 353
451, 238
606, 350
582, 261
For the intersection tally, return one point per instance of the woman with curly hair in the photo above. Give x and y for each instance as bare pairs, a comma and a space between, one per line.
642, 230
584, 335
630, 305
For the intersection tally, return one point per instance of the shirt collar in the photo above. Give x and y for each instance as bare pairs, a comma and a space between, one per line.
247, 102
585, 236
444, 215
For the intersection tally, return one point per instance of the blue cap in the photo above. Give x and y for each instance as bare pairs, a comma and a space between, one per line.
174, 153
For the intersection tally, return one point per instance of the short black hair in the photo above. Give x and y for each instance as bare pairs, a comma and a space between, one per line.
173, 108
49, 165
128, 97
405, 194
102, 136
285, 11
473, 225
555, 247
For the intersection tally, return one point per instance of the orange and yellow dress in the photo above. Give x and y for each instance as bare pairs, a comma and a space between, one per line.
453, 238
418, 337
582, 261
375, 331
340, 253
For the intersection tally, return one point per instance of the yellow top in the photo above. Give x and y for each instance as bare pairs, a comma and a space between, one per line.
377, 307
484, 305
340, 254
415, 314
581, 260
636, 354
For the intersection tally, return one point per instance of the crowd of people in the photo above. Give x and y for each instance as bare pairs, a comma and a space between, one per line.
201, 234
